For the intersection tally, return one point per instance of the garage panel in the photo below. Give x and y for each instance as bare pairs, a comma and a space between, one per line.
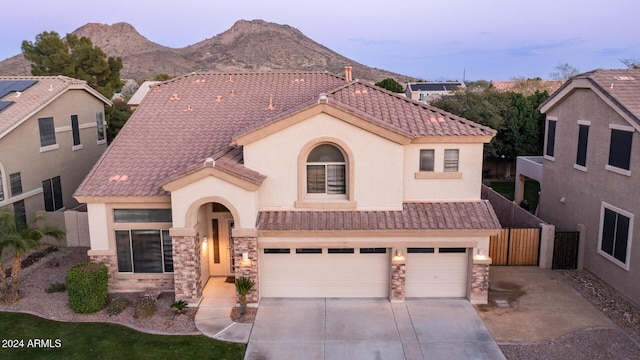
437, 274
323, 274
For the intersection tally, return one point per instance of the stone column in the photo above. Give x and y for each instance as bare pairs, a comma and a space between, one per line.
247, 268
398, 275
480, 281
109, 259
186, 268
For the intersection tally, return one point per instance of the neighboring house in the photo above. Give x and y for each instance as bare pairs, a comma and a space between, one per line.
142, 91
527, 86
591, 171
52, 132
311, 185
428, 91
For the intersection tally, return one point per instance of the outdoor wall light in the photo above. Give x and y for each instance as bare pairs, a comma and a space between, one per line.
398, 255
204, 243
481, 255
245, 256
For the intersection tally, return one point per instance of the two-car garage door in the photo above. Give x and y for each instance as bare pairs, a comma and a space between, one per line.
360, 272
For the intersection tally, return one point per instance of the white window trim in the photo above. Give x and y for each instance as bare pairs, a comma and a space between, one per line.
629, 240
49, 148
77, 147
580, 167
622, 127
583, 122
612, 168
546, 138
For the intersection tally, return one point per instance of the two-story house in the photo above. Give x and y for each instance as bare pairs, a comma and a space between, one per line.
52, 132
591, 171
310, 184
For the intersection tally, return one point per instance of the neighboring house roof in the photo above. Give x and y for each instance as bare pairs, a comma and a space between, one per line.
45, 89
620, 88
527, 86
184, 121
435, 86
471, 215
142, 91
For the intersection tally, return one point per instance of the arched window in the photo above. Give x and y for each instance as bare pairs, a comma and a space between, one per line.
326, 171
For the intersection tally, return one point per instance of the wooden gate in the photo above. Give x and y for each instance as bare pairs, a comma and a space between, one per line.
515, 247
565, 250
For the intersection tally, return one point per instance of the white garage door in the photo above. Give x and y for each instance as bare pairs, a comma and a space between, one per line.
322, 272
436, 272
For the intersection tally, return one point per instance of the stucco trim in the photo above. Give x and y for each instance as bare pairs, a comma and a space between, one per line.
462, 139
303, 242
338, 234
438, 175
123, 199
209, 171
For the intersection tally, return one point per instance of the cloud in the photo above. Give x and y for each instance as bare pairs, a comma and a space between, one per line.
539, 49
613, 51
374, 42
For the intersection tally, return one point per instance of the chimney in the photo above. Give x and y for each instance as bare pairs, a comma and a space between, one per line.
347, 73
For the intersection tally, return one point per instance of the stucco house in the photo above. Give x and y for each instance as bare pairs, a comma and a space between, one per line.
311, 184
431, 90
52, 132
591, 171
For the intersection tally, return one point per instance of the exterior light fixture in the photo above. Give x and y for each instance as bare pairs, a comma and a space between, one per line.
204, 243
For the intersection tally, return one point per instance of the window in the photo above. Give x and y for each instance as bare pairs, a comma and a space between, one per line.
47, 132
15, 180
309, 251
100, 127
420, 250
340, 251
452, 250
373, 250
326, 171
615, 234
277, 251
426, 160
583, 139
620, 148
142, 215
52, 191
451, 157
551, 138
75, 129
144, 251
1, 187
20, 212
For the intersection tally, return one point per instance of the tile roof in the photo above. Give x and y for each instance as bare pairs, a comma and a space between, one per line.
471, 215
142, 91
435, 86
27, 102
188, 119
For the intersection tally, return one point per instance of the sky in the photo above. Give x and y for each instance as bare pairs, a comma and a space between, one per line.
426, 39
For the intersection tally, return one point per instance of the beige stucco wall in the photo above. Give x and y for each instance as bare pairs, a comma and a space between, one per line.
584, 192
467, 187
20, 150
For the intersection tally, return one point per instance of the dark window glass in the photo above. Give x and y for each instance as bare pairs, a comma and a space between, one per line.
47, 131
52, 192
15, 180
341, 251
20, 212
373, 250
123, 248
147, 251
420, 250
620, 149
1, 188
325, 153
326, 171
167, 250
608, 231
141, 215
426, 160
309, 251
551, 137
452, 250
75, 129
100, 125
216, 241
615, 235
277, 251
583, 139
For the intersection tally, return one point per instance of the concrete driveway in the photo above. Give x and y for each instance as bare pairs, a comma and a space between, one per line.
369, 329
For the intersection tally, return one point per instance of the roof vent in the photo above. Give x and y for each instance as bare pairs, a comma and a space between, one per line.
219, 98
270, 107
323, 98
624, 78
209, 162
175, 97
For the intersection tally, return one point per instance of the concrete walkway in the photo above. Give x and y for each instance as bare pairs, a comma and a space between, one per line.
212, 318
369, 329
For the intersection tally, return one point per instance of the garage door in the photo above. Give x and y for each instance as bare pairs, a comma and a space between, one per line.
322, 272
436, 272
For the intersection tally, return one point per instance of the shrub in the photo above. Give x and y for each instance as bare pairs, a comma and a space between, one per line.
145, 308
117, 305
87, 287
56, 287
179, 306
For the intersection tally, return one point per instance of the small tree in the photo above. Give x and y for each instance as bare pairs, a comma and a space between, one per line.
391, 85
564, 72
18, 237
243, 286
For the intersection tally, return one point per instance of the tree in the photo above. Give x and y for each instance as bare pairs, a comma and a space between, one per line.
17, 238
631, 63
564, 72
73, 57
117, 116
162, 77
391, 85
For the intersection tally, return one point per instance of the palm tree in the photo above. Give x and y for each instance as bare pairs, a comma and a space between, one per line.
18, 237
243, 286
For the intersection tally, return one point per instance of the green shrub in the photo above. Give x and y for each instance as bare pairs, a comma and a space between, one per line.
145, 308
56, 287
178, 306
87, 287
117, 305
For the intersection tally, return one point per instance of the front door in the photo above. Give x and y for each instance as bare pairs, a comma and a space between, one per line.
221, 249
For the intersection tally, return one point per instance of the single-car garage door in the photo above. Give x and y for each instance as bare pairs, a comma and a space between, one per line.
324, 272
436, 272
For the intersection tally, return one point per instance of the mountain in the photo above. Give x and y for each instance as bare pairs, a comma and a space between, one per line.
248, 46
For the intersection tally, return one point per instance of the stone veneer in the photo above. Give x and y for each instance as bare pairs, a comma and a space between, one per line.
244, 269
128, 282
186, 268
480, 284
111, 261
398, 274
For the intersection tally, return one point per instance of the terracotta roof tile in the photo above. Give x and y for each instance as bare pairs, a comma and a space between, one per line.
472, 215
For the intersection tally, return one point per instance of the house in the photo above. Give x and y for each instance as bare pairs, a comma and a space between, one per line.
428, 91
52, 132
310, 184
527, 86
591, 171
142, 91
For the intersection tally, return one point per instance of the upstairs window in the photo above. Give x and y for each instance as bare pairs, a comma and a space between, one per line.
75, 129
620, 149
451, 158
47, 131
326, 171
551, 138
1, 187
15, 180
583, 139
426, 160
615, 234
100, 127
52, 192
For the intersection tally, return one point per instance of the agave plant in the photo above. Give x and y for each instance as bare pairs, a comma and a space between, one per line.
243, 286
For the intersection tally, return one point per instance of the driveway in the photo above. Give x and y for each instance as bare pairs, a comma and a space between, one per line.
369, 329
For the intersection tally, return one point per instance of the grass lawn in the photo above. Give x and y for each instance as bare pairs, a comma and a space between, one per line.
508, 188
103, 341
